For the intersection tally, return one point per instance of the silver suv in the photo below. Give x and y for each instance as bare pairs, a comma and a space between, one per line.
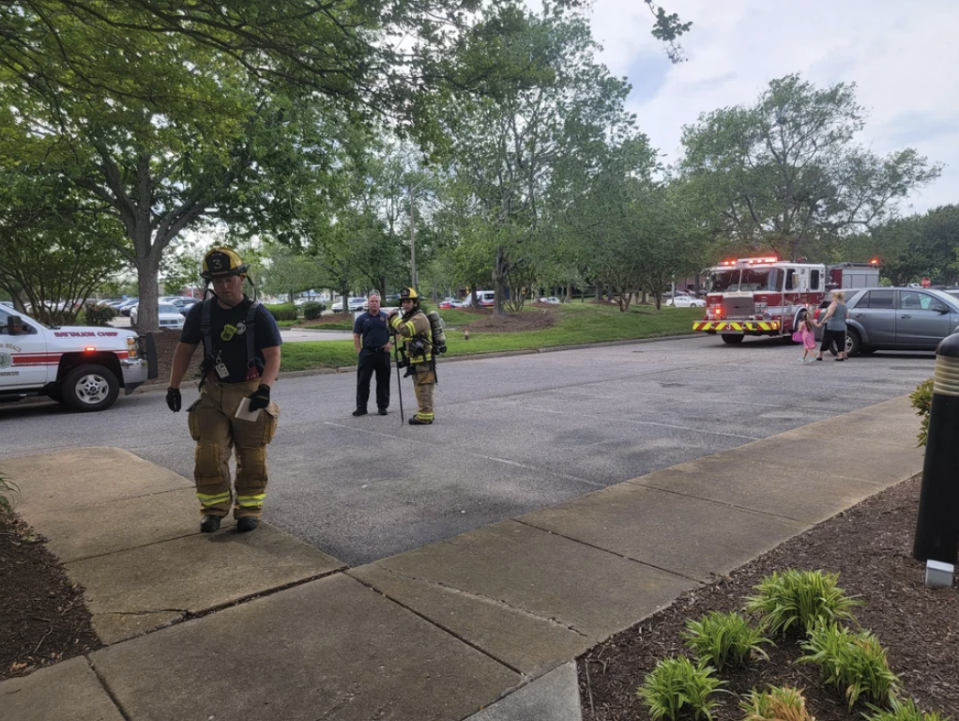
898, 319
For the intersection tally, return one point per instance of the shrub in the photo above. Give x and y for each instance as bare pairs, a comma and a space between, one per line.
8, 489
901, 711
676, 683
798, 600
285, 311
313, 310
724, 640
854, 662
922, 401
779, 703
98, 315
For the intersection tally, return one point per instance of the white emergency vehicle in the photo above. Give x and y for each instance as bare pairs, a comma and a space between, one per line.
82, 367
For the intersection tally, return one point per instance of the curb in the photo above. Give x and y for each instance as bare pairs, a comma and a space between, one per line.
155, 387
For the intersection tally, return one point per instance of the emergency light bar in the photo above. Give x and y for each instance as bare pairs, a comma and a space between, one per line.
751, 261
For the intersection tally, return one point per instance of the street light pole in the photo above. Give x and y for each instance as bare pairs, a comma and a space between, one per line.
412, 237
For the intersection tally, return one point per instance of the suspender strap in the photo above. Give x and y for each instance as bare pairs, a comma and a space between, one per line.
205, 329
250, 322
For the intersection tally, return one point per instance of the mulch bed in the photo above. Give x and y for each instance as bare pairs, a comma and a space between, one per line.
166, 341
43, 618
515, 322
871, 547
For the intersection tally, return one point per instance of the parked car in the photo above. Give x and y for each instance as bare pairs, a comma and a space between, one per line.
183, 304
169, 316
352, 305
551, 299
448, 303
897, 319
125, 306
685, 301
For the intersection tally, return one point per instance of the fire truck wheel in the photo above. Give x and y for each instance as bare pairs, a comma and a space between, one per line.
90, 388
730, 339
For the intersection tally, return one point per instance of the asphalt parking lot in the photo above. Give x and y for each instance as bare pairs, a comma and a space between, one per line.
513, 433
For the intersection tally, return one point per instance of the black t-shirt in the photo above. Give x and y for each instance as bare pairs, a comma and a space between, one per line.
228, 335
374, 331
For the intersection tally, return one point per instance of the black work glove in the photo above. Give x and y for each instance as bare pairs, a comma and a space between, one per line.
260, 398
173, 399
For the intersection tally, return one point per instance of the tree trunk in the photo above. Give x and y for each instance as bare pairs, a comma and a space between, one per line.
148, 278
499, 277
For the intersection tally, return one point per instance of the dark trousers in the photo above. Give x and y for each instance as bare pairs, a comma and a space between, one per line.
833, 336
369, 363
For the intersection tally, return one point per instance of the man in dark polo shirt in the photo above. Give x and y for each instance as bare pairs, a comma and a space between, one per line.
373, 342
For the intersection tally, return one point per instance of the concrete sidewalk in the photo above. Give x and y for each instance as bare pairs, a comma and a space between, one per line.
264, 627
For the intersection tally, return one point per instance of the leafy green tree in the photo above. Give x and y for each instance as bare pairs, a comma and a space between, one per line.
916, 246
55, 250
505, 150
289, 272
785, 175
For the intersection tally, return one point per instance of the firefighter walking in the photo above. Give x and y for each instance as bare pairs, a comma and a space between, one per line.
241, 359
413, 327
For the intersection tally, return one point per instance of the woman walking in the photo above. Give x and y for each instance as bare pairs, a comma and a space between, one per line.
834, 324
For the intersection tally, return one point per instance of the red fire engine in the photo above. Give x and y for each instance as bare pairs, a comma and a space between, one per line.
765, 295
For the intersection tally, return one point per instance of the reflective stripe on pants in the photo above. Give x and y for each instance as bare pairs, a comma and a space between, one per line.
216, 431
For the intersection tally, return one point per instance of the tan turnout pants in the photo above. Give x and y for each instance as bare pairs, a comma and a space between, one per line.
423, 383
216, 431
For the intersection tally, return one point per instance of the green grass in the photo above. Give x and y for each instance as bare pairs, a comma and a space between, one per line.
578, 324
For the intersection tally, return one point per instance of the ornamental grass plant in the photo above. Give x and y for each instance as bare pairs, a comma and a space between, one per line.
922, 401
778, 703
901, 710
678, 688
8, 491
854, 662
799, 600
724, 640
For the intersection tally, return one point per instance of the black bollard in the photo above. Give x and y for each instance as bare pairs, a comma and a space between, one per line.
937, 528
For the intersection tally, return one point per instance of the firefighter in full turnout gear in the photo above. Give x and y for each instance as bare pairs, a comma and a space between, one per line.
413, 327
241, 358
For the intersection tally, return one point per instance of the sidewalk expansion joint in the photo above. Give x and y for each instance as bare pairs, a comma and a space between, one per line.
647, 564
746, 509
81, 559
145, 612
262, 594
107, 690
489, 600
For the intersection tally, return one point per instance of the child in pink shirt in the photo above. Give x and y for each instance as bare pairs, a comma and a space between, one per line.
808, 338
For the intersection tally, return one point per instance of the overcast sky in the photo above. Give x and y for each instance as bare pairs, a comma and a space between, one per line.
903, 57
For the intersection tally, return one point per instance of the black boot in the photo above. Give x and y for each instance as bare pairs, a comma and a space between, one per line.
210, 524
382, 411
247, 523
359, 412
414, 421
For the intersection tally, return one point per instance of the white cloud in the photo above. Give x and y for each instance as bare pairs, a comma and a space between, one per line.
902, 57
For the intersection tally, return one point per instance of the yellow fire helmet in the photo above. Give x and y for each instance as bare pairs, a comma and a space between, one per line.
409, 294
222, 262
